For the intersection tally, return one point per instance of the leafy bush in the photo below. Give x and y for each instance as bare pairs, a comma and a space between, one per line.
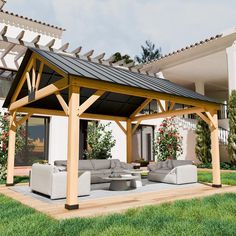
232, 127
20, 142
100, 141
203, 142
168, 142
223, 166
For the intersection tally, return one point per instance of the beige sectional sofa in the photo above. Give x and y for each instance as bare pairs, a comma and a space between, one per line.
173, 171
99, 169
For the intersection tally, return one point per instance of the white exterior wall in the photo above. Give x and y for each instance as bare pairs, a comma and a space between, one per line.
58, 133
119, 151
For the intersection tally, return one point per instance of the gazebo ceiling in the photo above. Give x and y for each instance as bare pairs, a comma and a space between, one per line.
110, 103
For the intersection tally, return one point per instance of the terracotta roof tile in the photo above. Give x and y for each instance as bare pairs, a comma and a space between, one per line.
30, 19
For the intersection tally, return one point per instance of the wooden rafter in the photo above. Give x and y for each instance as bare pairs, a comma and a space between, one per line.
117, 88
160, 105
44, 92
169, 113
24, 119
136, 126
201, 115
141, 107
22, 80
39, 76
171, 106
92, 99
121, 126
211, 119
62, 102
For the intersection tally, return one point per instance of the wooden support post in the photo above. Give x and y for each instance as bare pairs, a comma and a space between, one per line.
73, 150
11, 150
215, 151
129, 140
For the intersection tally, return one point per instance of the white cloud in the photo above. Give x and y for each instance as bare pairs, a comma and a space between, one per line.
123, 25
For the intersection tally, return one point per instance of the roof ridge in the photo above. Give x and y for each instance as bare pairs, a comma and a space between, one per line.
201, 42
30, 19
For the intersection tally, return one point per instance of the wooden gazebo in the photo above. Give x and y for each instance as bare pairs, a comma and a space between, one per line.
62, 85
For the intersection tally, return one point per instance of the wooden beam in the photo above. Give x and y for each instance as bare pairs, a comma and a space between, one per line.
73, 150
172, 106
136, 126
132, 91
204, 118
121, 126
215, 151
39, 76
62, 102
29, 85
44, 92
41, 111
102, 117
22, 80
24, 119
34, 75
160, 105
92, 99
141, 107
212, 119
169, 113
11, 150
166, 105
129, 141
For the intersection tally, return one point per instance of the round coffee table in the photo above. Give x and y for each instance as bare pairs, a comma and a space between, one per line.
119, 183
137, 182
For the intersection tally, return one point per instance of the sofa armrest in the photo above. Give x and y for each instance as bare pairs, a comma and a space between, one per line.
186, 174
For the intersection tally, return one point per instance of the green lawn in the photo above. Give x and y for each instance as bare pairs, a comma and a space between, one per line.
226, 177
17, 179
215, 215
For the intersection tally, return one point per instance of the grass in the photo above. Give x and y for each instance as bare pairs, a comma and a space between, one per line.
215, 215
228, 178
17, 179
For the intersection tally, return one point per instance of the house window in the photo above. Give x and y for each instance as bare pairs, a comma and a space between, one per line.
36, 148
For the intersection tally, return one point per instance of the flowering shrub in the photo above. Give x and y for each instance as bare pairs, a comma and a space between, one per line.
4, 137
168, 142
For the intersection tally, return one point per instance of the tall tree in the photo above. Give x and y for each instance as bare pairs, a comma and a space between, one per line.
232, 126
149, 52
203, 142
119, 57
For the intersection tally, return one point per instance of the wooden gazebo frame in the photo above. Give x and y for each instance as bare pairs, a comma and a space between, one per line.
76, 111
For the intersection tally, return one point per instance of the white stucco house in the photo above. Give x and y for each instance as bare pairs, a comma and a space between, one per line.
206, 67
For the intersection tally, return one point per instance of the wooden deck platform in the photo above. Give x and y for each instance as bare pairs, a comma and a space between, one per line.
107, 205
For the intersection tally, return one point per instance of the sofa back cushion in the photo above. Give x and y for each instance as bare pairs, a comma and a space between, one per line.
60, 163
101, 164
85, 165
115, 163
181, 163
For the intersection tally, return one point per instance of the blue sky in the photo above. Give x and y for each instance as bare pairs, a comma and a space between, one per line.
123, 25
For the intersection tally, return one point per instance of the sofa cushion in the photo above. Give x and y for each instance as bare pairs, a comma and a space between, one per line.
115, 163
170, 164
126, 166
101, 164
164, 171
85, 165
153, 167
181, 163
60, 163
164, 165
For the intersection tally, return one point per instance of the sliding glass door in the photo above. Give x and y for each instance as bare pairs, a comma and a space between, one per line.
36, 142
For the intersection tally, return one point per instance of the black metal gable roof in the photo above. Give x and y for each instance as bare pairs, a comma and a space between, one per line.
96, 71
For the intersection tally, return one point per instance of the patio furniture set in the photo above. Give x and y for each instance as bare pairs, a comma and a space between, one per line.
51, 180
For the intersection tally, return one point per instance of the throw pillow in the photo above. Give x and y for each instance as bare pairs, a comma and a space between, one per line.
153, 167
165, 165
